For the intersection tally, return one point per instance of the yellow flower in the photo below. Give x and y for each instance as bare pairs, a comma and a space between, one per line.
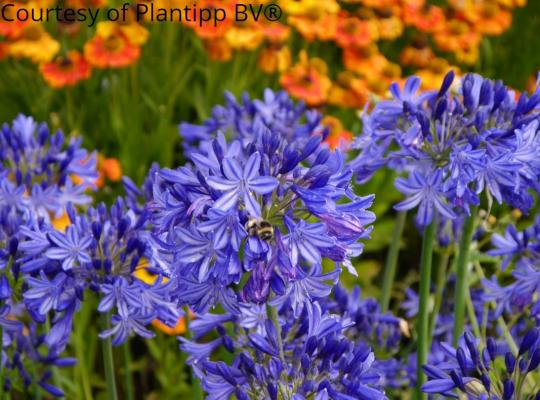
274, 58
61, 223
35, 44
244, 36
390, 27
322, 28
311, 8
135, 32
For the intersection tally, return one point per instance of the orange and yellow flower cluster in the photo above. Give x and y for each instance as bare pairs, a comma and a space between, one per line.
350, 31
317, 32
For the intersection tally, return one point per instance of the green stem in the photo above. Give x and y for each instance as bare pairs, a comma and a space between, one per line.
391, 261
81, 365
274, 316
423, 309
462, 284
440, 281
130, 393
108, 361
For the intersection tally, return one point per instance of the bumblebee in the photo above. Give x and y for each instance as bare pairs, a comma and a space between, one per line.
260, 228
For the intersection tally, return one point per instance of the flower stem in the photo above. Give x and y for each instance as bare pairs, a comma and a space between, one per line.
423, 309
108, 362
462, 283
440, 281
391, 261
130, 393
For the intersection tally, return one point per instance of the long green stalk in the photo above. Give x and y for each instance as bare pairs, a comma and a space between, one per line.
440, 281
423, 308
391, 261
462, 283
130, 390
108, 362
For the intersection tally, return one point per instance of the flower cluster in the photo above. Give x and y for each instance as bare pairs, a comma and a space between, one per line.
253, 217
261, 223
521, 249
454, 146
452, 30
99, 252
479, 371
40, 174
302, 358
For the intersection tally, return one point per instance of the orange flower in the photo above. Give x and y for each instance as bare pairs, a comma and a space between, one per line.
418, 54
207, 29
458, 37
307, 80
367, 61
35, 44
108, 169
488, 18
274, 58
66, 70
218, 49
275, 32
354, 32
338, 137
141, 272
112, 51
348, 91
424, 17
61, 223
322, 28
11, 29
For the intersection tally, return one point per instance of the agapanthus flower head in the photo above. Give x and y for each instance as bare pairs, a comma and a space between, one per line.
253, 217
454, 147
40, 172
307, 356
520, 252
98, 253
486, 371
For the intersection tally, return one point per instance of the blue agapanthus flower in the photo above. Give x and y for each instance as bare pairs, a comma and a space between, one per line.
40, 172
487, 371
302, 357
259, 208
100, 252
454, 147
520, 252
